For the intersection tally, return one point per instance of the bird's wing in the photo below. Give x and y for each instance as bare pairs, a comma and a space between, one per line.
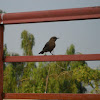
46, 47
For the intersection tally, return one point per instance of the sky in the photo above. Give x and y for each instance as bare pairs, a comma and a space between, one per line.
84, 34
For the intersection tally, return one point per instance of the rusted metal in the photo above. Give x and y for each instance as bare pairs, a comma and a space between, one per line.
51, 15
52, 96
79, 57
1, 61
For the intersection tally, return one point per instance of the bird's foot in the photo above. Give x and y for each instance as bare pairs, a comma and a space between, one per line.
45, 54
52, 53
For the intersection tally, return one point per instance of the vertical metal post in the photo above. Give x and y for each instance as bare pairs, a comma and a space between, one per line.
1, 61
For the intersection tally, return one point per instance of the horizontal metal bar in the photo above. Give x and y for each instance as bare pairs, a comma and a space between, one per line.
78, 57
52, 96
51, 15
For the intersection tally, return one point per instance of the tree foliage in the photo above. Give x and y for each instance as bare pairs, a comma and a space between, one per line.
1, 11
27, 42
9, 84
48, 77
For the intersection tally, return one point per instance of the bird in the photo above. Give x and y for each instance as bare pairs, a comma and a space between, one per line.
49, 46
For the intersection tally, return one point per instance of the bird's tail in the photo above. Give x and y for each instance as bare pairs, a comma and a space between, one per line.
41, 52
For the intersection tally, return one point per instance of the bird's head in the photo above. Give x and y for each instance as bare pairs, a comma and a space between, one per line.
53, 38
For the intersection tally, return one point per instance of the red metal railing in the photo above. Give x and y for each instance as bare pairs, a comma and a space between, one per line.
52, 96
51, 15
1, 60
82, 57
47, 16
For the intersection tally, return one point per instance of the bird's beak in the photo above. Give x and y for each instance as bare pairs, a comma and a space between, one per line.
57, 38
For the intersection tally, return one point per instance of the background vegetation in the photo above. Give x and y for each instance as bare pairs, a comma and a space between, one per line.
48, 77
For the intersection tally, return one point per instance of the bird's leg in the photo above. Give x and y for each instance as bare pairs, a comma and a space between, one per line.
45, 53
51, 53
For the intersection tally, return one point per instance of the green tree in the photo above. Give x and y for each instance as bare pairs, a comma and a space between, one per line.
26, 81
48, 77
28, 41
71, 50
9, 85
5, 53
61, 77
1, 11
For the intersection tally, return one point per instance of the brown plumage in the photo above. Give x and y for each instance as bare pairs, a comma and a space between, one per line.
49, 46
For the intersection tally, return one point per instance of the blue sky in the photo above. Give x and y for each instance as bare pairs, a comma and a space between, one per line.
85, 34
